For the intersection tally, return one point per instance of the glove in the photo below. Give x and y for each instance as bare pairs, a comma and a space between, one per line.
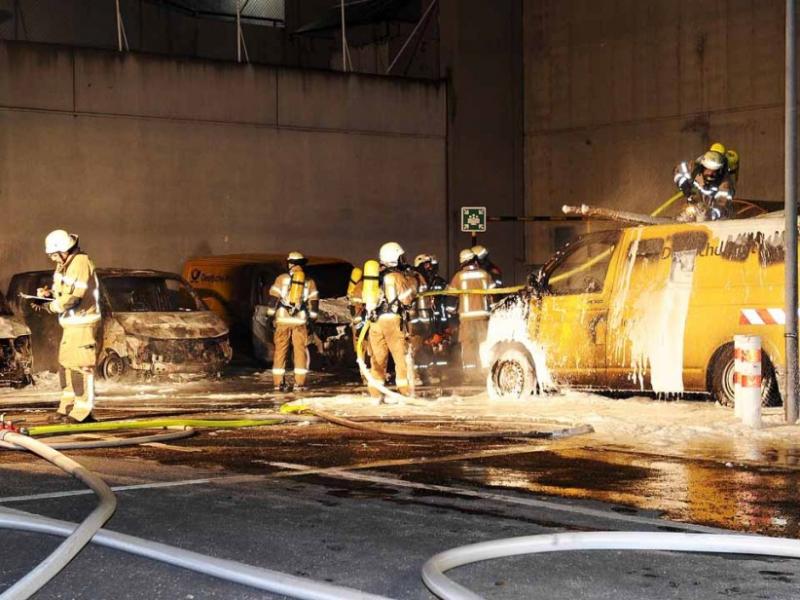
686, 188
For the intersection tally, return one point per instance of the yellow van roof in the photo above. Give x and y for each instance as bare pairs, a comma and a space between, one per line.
256, 258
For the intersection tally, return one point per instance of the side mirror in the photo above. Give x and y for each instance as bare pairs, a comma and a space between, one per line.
536, 281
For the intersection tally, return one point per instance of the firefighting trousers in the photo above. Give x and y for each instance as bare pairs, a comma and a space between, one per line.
297, 337
77, 356
386, 336
471, 334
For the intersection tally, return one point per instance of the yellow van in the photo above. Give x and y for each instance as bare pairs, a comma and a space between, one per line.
650, 308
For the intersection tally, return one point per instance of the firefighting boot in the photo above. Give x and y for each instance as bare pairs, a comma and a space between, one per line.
83, 386
67, 395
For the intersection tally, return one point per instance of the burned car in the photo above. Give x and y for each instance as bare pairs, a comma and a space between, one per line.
16, 357
153, 323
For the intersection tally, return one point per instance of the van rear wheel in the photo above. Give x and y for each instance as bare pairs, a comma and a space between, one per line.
722, 387
512, 376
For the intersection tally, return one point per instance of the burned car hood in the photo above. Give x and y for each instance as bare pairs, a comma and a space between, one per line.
172, 325
12, 327
334, 310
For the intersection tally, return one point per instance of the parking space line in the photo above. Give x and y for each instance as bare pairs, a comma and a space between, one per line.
117, 488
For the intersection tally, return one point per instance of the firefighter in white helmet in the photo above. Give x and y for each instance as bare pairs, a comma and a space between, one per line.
294, 301
708, 183
485, 263
473, 310
74, 298
397, 293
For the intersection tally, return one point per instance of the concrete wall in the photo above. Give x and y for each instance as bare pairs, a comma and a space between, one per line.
153, 160
482, 59
614, 98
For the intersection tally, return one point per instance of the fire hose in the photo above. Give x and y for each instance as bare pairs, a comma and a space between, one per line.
77, 538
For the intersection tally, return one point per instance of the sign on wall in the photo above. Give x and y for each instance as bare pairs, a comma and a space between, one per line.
473, 219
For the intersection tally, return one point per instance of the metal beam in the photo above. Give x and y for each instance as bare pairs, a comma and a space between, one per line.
790, 211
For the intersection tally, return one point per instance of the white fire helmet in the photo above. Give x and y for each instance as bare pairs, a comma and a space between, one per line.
480, 251
390, 254
712, 160
296, 258
59, 241
465, 255
422, 258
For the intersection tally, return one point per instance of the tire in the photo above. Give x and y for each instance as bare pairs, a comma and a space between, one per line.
512, 376
113, 367
721, 379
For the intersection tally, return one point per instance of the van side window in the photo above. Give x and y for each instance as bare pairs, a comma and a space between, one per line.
689, 240
583, 268
649, 249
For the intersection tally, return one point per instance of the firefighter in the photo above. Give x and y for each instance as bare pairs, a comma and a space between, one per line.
708, 183
294, 301
395, 294
482, 254
473, 310
419, 324
428, 267
75, 300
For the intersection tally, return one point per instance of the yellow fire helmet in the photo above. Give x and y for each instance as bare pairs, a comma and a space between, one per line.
717, 147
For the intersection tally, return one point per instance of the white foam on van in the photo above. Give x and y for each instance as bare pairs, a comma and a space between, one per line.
656, 326
509, 323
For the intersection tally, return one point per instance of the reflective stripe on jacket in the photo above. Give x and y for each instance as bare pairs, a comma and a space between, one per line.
472, 306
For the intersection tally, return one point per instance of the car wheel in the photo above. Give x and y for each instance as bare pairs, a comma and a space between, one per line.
722, 386
512, 376
113, 366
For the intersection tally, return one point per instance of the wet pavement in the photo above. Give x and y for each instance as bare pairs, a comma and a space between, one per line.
598, 481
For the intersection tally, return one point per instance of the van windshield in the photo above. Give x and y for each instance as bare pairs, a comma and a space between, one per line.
154, 293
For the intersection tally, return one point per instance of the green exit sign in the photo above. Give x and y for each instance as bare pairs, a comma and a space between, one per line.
473, 219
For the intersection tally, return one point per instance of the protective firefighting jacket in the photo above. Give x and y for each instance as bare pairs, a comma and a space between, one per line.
420, 312
75, 290
472, 277
293, 313
398, 292
717, 192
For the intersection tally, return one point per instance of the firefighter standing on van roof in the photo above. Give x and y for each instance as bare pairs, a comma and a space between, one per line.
75, 301
294, 300
708, 182
387, 304
473, 309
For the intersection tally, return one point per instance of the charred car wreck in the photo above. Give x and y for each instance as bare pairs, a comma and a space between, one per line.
16, 357
153, 323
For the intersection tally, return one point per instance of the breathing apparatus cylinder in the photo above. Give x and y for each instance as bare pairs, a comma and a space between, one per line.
371, 289
355, 276
296, 287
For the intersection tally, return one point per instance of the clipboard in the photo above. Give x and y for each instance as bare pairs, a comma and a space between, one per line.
37, 299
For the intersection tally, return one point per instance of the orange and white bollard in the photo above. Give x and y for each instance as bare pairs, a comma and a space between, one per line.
747, 379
